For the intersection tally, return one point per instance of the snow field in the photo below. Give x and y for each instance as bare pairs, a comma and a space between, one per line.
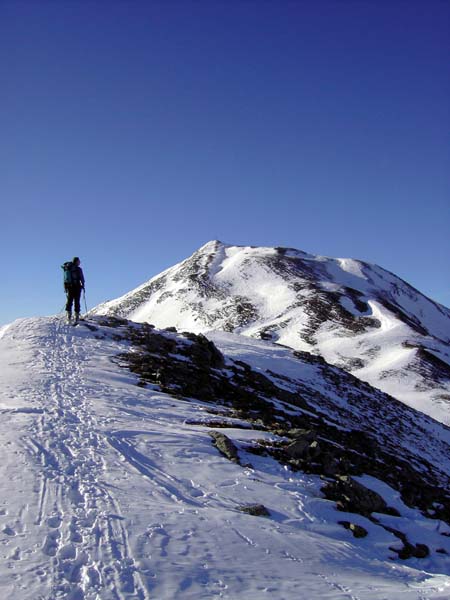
110, 493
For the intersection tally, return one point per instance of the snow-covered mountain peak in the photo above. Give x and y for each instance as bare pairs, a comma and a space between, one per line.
356, 315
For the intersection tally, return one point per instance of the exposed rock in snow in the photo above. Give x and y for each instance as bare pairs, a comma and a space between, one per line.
225, 445
331, 423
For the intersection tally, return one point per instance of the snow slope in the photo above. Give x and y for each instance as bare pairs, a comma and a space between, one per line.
356, 315
110, 493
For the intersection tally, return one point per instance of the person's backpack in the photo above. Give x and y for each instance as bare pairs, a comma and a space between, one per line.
68, 277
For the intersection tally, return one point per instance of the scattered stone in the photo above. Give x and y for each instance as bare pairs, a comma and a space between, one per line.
257, 510
225, 446
217, 424
408, 550
357, 530
411, 551
112, 321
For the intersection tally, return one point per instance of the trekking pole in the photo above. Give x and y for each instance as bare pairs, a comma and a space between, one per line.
84, 298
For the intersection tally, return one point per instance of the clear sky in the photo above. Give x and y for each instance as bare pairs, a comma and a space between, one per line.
133, 132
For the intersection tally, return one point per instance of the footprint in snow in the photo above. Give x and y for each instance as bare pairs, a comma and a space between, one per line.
54, 522
75, 535
67, 552
51, 543
9, 531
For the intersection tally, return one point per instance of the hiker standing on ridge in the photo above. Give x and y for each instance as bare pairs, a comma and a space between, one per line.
73, 284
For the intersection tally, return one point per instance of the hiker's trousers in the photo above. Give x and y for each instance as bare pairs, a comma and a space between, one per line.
73, 296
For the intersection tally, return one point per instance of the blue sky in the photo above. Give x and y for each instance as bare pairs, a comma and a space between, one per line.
134, 132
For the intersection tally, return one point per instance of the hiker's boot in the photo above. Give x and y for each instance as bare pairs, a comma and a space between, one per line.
69, 317
77, 318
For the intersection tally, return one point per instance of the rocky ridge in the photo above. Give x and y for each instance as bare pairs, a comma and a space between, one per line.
330, 424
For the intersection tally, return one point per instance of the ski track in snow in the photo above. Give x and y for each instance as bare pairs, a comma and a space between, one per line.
107, 501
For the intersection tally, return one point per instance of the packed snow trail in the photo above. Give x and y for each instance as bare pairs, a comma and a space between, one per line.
83, 534
109, 494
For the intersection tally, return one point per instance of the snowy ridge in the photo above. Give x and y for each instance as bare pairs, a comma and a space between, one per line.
358, 316
114, 490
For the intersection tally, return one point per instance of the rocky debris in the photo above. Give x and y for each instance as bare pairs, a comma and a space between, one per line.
407, 550
352, 496
309, 358
257, 510
193, 369
204, 351
357, 530
326, 306
218, 424
225, 446
417, 550
112, 321
160, 359
433, 368
244, 311
319, 436
190, 366
304, 445
329, 451
311, 453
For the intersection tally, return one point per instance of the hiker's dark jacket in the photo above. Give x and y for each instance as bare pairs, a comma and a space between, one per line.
77, 276
73, 290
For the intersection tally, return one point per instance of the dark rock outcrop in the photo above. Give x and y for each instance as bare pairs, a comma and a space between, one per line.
357, 530
225, 446
257, 510
352, 496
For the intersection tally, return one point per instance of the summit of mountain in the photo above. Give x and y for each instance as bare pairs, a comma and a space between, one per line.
356, 315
